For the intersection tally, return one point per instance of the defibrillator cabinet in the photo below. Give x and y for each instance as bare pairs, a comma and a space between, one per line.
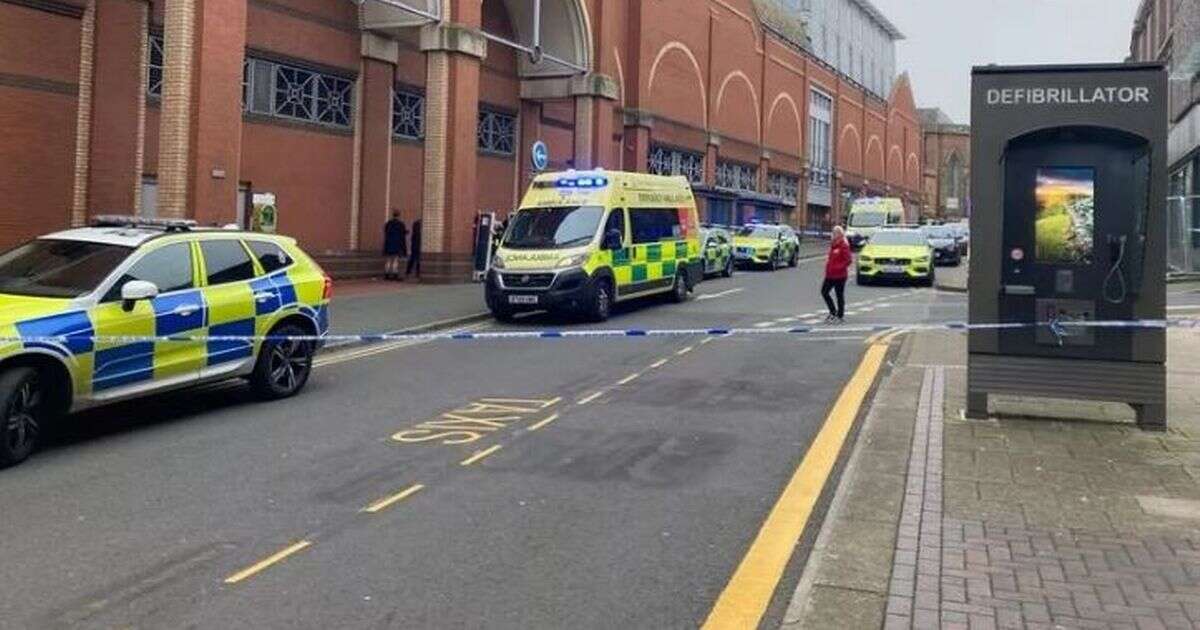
1068, 264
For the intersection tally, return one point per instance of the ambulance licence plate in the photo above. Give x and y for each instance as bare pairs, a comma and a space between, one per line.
892, 269
522, 299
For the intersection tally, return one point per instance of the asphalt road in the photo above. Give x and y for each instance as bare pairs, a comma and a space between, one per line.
507, 484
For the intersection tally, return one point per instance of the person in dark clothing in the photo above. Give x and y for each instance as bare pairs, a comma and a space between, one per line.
395, 242
414, 252
837, 269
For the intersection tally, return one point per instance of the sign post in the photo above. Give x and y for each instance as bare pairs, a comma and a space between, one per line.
539, 155
264, 217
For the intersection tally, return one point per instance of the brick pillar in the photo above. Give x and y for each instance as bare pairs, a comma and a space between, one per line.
637, 141
375, 157
453, 54
594, 97
201, 130
711, 153
531, 131
118, 99
802, 197
83, 116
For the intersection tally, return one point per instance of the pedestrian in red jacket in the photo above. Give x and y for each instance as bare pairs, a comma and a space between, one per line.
837, 269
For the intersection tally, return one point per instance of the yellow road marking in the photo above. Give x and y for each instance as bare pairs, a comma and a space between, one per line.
749, 591
542, 423
260, 566
629, 379
384, 504
480, 455
590, 398
659, 363
893, 336
685, 350
875, 337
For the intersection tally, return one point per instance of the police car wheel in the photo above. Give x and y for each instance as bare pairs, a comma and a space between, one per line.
728, 270
22, 414
601, 306
861, 280
795, 259
284, 365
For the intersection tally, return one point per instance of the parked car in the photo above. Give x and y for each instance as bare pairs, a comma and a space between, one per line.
944, 241
718, 251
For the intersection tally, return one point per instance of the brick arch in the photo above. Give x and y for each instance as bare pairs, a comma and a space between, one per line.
895, 165
874, 166
850, 153
732, 122
912, 172
780, 99
677, 60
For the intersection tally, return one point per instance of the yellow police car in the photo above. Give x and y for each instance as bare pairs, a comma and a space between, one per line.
85, 315
901, 254
583, 240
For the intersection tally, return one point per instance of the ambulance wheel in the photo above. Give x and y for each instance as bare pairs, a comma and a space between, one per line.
679, 290
601, 304
728, 270
23, 414
284, 365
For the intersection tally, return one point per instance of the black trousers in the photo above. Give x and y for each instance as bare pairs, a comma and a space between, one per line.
414, 262
838, 286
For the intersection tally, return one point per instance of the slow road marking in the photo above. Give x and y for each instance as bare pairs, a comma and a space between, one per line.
388, 502
749, 591
266, 563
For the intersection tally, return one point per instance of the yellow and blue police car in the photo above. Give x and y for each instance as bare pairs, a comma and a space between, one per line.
85, 317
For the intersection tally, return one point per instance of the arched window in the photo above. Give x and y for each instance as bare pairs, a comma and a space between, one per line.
952, 178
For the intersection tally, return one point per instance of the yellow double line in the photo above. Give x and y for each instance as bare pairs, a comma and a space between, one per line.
746, 597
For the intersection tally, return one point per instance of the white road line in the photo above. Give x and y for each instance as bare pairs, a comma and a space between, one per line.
764, 324
719, 294
1184, 307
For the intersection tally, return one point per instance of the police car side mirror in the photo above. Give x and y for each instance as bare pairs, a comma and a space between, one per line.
135, 291
612, 239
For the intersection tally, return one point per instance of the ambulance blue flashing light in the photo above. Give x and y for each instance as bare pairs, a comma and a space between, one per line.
582, 182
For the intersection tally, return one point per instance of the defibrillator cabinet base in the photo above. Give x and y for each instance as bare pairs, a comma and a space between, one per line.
1143, 386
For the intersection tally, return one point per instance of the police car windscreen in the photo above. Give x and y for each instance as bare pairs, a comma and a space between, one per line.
898, 237
867, 219
553, 228
58, 269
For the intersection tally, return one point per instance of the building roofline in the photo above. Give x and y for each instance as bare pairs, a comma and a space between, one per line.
881, 19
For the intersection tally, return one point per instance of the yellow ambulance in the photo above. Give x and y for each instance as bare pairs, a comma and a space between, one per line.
583, 240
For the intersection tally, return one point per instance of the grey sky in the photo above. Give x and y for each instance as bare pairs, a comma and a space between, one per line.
946, 37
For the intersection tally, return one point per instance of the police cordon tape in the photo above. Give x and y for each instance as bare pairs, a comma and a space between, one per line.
1060, 329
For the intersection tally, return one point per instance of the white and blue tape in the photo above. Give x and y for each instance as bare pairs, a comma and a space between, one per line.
1059, 328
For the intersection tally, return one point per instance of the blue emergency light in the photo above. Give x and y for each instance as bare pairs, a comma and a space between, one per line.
582, 182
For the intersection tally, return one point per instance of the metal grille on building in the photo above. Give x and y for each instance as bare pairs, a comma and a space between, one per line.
671, 161
295, 93
784, 186
154, 66
408, 114
736, 175
497, 132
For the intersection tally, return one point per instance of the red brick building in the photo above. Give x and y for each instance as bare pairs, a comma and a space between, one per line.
947, 165
183, 108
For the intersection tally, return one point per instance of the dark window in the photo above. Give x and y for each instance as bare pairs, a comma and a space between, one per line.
226, 261
497, 132
154, 65
286, 91
169, 268
670, 161
269, 255
59, 269
616, 221
408, 114
651, 225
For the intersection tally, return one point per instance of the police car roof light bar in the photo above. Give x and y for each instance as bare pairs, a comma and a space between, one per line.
118, 220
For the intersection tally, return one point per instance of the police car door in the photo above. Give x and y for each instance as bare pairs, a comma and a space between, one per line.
148, 361
228, 271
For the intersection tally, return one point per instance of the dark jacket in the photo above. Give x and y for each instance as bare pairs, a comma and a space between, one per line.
395, 235
837, 265
416, 237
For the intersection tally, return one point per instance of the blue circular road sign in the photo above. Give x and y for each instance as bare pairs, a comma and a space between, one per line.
540, 155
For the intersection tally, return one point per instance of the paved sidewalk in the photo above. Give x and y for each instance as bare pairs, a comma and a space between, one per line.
375, 306
1022, 521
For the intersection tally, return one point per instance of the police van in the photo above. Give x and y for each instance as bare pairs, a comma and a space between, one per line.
583, 240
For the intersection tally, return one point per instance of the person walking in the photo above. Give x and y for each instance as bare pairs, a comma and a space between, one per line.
837, 269
414, 251
395, 242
